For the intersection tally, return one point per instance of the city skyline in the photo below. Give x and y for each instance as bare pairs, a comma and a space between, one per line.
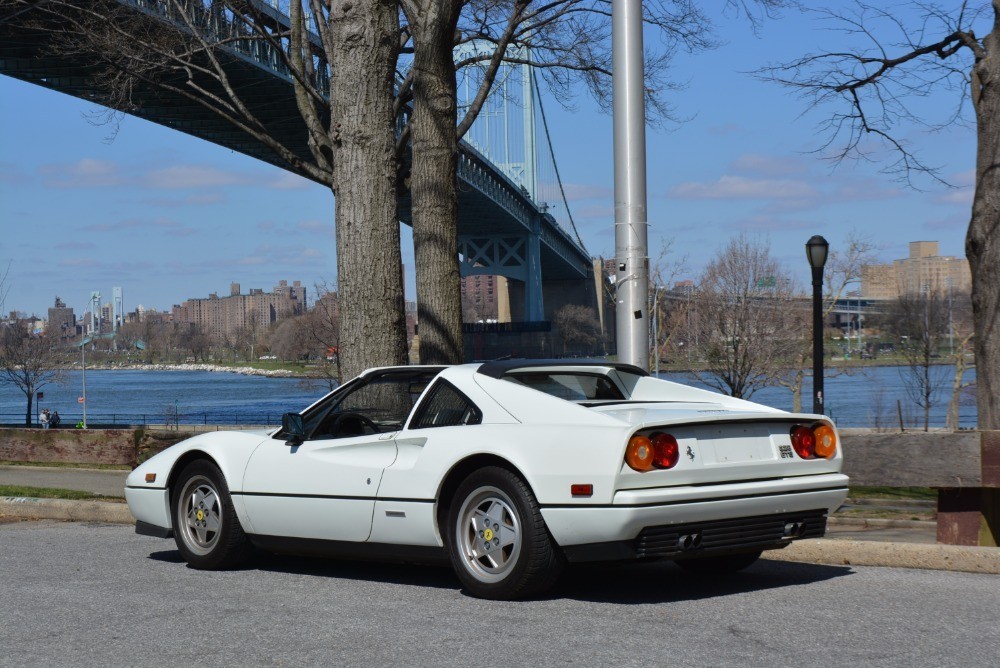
168, 216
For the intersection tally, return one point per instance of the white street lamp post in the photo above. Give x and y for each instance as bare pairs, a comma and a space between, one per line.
631, 245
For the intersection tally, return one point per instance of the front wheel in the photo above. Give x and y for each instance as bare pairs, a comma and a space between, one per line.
498, 542
206, 529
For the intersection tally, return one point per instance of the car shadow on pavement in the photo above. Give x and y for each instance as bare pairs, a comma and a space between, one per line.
624, 583
420, 575
664, 581
169, 556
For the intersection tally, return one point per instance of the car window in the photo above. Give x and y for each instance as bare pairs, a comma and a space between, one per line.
571, 386
379, 404
446, 407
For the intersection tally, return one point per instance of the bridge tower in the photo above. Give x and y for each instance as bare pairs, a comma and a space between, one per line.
505, 134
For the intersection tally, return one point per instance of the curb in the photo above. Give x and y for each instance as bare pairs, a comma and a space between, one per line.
967, 559
881, 523
65, 509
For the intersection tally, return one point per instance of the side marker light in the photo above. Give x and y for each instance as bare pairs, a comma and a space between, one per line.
150, 477
581, 490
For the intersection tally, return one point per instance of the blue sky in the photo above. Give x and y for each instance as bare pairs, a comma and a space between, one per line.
168, 217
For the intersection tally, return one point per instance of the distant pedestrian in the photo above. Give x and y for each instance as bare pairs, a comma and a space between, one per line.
54, 420
44, 419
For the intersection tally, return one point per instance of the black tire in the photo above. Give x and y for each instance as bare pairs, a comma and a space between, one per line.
721, 565
522, 559
206, 529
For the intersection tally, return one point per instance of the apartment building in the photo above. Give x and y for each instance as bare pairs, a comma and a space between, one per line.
924, 270
221, 316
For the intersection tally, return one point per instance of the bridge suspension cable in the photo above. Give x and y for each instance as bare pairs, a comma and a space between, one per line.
555, 165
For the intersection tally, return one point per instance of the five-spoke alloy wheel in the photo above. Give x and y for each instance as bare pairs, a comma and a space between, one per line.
207, 531
498, 542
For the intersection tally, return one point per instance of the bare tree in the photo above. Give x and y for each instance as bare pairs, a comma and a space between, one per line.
27, 361
876, 86
667, 307
579, 328
340, 59
324, 329
290, 339
919, 323
960, 336
744, 300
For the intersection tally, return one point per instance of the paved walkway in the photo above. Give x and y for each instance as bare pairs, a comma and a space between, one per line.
96, 481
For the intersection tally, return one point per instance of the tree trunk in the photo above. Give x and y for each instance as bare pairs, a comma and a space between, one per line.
27, 413
369, 266
982, 243
434, 185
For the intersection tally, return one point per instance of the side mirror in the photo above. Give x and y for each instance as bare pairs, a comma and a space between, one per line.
291, 427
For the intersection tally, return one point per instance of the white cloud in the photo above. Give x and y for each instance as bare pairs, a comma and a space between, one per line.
768, 165
739, 187
191, 176
84, 173
289, 181
961, 196
583, 191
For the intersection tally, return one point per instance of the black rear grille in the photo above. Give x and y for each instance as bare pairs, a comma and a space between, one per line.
733, 534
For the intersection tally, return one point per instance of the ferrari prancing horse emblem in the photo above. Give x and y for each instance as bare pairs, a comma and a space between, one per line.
690, 453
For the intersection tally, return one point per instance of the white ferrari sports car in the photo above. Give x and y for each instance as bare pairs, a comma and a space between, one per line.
508, 469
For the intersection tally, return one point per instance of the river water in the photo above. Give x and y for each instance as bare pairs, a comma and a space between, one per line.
204, 397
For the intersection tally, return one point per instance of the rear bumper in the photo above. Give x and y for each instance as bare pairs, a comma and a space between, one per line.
706, 539
573, 525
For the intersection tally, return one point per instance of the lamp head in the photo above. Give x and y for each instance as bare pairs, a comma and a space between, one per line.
816, 251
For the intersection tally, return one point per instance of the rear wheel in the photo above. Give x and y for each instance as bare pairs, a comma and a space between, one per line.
498, 542
206, 529
721, 565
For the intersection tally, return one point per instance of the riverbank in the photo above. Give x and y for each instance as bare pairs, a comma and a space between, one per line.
219, 368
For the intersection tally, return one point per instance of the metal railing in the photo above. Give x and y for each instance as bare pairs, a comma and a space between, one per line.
151, 420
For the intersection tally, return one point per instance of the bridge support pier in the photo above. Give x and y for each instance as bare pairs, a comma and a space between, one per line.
534, 308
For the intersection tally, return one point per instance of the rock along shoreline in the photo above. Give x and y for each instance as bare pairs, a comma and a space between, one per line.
242, 370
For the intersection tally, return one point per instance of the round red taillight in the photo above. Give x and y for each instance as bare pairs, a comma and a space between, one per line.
639, 453
665, 450
804, 441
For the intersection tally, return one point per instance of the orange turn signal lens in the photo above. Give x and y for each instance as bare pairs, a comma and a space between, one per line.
150, 477
826, 440
639, 453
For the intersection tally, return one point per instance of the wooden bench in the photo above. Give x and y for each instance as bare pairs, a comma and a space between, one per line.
963, 466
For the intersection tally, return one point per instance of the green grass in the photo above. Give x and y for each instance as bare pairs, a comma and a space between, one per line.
917, 493
67, 465
52, 493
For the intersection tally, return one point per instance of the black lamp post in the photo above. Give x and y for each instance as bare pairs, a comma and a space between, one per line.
816, 251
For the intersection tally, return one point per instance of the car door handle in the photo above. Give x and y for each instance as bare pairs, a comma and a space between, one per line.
387, 436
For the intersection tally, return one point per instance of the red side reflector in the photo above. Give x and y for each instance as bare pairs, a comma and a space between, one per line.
581, 490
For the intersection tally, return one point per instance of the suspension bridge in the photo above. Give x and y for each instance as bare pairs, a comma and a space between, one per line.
514, 220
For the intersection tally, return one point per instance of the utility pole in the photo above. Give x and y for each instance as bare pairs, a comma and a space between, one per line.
631, 244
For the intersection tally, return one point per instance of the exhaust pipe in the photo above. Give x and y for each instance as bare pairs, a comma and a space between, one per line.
691, 541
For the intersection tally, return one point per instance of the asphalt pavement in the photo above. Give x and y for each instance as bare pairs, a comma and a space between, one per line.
77, 594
